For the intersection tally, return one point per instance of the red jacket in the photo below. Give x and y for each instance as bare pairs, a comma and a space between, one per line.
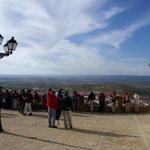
28, 98
101, 97
126, 98
52, 101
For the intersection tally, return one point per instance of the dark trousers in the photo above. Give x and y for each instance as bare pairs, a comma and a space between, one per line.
101, 106
21, 107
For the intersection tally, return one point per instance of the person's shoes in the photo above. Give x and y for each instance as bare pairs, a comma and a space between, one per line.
49, 126
71, 127
54, 127
24, 114
30, 114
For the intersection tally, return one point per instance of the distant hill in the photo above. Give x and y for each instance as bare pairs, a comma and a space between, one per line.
37, 80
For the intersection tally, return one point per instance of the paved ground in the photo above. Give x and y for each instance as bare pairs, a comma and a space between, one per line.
91, 132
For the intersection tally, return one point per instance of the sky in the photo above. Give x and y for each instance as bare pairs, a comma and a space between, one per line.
73, 37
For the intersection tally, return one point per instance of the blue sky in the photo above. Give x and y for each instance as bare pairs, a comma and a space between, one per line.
105, 37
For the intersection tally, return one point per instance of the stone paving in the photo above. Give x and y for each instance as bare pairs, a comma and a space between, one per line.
92, 131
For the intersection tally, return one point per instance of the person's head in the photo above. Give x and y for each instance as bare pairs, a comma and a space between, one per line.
114, 93
50, 89
67, 92
91, 92
75, 92
29, 91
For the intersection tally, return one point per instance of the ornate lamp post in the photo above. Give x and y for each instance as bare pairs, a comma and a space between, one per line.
9, 47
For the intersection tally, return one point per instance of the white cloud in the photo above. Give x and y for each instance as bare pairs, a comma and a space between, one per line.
115, 38
111, 12
42, 29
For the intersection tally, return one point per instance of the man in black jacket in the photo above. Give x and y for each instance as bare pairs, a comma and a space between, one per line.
67, 107
91, 98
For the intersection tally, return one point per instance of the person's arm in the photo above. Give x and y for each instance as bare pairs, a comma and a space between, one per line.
71, 104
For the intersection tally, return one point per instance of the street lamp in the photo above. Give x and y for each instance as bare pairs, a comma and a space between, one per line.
9, 47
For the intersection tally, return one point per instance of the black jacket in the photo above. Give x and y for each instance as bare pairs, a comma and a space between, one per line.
91, 96
67, 103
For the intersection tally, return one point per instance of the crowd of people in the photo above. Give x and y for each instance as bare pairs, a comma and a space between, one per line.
25, 100
61, 102
114, 99
19, 100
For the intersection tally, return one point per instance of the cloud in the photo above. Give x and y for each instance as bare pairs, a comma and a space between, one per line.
112, 11
43, 30
115, 38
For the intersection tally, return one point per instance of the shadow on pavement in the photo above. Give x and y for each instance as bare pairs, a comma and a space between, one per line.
111, 114
8, 114
100, 133
46, 115
45, 140
40, 115
79, 115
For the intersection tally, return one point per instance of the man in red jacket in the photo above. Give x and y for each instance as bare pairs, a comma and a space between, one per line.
52, 103
127, 102
101, 98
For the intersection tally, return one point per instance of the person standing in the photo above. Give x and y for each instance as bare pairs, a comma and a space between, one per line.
101, 98
75, 97
7, 96
136, 102
14, 100
127, 102
114, 99
67, 107
28, 101
21, 101
59, 108
52, 103
36, 99
91, 98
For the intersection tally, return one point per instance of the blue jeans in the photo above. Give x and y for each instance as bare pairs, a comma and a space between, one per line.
51, 117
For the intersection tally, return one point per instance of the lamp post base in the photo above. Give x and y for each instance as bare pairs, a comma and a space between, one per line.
1, 130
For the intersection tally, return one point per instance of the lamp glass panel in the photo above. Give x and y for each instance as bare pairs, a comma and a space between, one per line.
1, 39
10, 45
14, 46
6, 48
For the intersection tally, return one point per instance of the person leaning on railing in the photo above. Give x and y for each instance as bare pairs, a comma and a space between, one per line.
136, 102
127, 102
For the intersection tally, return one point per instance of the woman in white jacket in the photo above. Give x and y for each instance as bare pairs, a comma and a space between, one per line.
136, 102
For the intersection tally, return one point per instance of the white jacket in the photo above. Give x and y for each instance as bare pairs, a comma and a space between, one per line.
136, 99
